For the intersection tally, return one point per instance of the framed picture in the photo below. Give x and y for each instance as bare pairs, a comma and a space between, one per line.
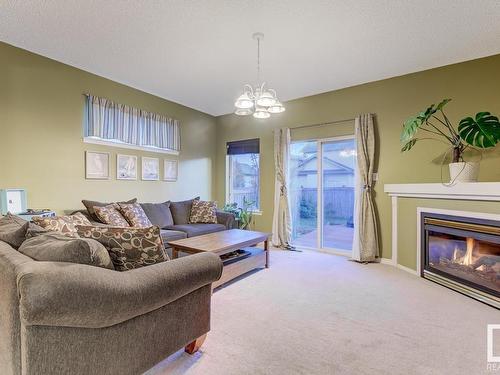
170, 170
126, 167
96, 165
13, 201
150, 169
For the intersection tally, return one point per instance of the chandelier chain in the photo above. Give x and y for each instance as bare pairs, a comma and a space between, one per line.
258, 59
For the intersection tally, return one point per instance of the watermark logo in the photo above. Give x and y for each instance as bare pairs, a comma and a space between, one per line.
492, 358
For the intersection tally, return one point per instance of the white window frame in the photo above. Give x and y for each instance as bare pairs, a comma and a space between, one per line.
118, 144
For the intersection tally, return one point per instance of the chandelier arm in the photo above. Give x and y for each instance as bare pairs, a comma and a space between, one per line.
249, 91
249, 87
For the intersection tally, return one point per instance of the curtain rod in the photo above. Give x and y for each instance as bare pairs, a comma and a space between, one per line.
322, 123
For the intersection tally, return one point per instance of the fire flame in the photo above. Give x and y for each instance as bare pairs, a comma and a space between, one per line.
468, 255
466, 260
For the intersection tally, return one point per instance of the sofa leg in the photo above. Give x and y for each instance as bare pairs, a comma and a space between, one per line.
193, 346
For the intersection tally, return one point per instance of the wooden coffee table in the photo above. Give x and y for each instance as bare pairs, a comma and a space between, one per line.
225, 242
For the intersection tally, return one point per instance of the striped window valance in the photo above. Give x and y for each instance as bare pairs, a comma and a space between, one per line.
118, 123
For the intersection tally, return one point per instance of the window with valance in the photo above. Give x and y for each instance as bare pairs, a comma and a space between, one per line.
120, 125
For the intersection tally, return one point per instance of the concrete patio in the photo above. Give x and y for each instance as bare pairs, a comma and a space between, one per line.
334, 236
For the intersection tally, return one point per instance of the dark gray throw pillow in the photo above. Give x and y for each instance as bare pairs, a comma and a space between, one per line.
13, 230
181, 211
158, 214
56, 247
89, 205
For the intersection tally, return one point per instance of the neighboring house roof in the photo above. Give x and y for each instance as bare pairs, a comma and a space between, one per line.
309, 166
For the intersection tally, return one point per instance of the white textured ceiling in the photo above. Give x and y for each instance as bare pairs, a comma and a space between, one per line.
200, 53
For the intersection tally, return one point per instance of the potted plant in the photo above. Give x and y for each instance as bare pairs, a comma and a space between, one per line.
480, 132
243, 215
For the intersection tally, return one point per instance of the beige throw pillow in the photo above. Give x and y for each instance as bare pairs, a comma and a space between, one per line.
129, 248
110, 215
134, 214
203, 212
63, 224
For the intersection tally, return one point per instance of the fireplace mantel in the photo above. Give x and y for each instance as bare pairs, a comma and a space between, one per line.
483, 191
473, 191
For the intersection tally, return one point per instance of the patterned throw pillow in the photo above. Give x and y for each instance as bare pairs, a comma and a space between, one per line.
203, 212
64, 224
110, 215
134, 214
80, 219
89, 205
129, 248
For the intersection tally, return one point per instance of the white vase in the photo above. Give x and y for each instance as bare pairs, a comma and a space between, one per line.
464, 172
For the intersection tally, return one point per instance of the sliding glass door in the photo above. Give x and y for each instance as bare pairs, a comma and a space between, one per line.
322, 178
304, 193
337, 194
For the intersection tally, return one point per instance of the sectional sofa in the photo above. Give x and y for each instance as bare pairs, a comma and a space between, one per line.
71, 318
172, 218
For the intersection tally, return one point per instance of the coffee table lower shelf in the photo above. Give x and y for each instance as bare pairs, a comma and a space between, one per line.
241, 266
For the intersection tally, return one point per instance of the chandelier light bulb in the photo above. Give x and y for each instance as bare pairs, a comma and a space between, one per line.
244, 101
276, 108
243, 111
261, 113
266, 99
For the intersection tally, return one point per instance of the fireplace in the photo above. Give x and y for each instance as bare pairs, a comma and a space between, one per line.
463, 254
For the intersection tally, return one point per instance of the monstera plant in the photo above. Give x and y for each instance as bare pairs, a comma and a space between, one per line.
480, 132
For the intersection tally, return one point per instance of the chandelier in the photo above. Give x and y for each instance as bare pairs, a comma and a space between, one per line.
258, 100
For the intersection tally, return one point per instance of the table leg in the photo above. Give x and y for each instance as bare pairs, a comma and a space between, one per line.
266, 249
175, 253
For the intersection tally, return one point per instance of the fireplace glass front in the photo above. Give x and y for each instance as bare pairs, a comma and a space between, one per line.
464, 253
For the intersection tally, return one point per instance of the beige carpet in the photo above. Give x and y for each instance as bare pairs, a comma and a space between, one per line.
314, 313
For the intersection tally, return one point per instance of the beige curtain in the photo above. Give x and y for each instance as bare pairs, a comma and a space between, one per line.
365, 244
281, 220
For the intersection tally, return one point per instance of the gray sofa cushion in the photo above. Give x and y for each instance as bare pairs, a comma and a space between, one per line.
56, 247
193, 230
228, 219
158, 213
13, 230
181, 211
89, 205
171, 235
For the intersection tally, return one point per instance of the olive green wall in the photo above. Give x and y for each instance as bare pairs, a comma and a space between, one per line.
41, 117
472, 85
407, 222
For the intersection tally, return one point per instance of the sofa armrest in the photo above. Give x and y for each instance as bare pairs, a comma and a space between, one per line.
75, 295
226, 218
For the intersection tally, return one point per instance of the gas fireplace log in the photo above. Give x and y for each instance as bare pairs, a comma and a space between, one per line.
487, 260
